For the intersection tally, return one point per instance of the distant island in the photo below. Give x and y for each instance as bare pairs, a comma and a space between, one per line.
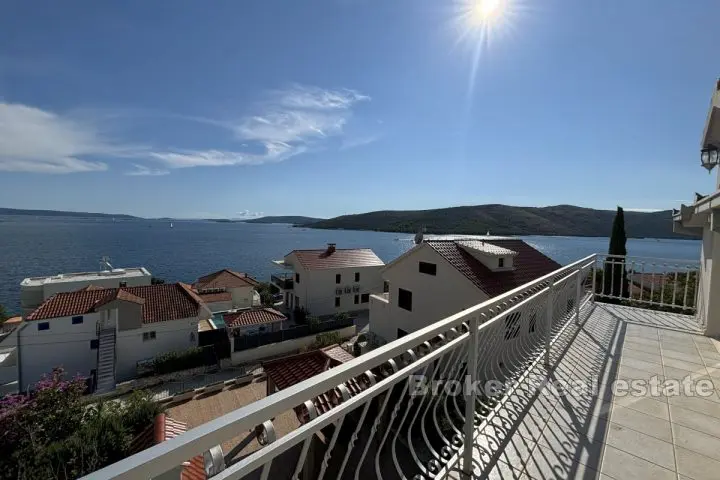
59, 213
295, 220
559, 220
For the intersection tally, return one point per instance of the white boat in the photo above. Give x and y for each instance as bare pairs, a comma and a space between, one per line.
171, 225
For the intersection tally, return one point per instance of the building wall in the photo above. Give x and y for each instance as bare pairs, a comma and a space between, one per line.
709, 294
175, 335
63, 345
316, 289
433, 297
242, 297
255, 329
220, 306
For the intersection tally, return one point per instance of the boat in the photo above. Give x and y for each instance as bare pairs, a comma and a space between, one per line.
171, 225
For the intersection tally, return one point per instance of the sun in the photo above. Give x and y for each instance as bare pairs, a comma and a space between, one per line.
487, 11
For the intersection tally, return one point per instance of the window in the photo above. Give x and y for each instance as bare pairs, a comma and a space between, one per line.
365, 298
512, 325
338, 278
123, 284
297, 278
386, 287
357, 299
428, 268
43, 326
501, 262
337, 301
357, 276
94, 344
77, 320
533, 323
405, 299
401, 333
148, 336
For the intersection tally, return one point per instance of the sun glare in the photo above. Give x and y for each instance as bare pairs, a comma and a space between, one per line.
484, 11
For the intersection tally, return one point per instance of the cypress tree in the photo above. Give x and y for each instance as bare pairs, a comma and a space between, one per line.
615, 277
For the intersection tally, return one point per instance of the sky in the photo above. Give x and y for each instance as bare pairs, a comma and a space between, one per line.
233, 109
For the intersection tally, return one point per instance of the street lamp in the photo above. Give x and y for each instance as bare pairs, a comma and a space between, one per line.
709, 157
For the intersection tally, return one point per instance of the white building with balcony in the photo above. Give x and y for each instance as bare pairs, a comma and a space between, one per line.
104, 333
35, 290
440, 277
329, 281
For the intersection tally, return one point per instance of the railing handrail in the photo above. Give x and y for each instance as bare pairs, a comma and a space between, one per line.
199, 439
665, 260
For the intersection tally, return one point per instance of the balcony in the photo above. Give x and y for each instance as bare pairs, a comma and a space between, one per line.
283, 281
542, 398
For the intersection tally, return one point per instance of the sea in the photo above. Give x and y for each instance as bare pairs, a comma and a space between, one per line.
37, 246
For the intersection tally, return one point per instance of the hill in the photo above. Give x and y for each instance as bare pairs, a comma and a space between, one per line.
566, 220
295, 220
60, 213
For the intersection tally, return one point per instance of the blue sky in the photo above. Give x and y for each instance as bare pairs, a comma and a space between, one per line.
328, 107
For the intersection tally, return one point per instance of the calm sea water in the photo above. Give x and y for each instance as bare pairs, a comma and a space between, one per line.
33, 246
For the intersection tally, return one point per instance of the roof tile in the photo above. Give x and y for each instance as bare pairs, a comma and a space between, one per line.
340, 258
161, 302
225, 279
254, 316
528, 265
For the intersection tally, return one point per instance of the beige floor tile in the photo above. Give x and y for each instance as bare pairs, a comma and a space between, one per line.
696, 466
641, 422
641, 445
648, 405
695, 420
697, 442
621, 465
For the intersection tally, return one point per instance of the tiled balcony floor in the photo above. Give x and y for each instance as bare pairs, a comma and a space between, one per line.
599, 434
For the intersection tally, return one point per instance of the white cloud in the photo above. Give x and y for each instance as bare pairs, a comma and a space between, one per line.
288, 123
355, 142
142, 171
34, 140
248, 214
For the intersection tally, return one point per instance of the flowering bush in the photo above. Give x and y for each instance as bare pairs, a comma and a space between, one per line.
52, 433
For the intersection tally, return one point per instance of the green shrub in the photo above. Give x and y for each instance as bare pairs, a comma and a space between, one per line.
173, 361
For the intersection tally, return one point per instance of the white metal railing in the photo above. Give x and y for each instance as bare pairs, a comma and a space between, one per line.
384, 430
667, 284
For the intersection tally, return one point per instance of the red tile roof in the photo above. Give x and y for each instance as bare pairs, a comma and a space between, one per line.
161, 302
215, 297
225, 279
528, 265
340, 258
162, 429
253, 316
288, 371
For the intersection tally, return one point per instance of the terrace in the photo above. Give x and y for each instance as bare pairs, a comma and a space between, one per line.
551, 360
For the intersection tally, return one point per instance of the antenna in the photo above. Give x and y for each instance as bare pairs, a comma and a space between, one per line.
105, 263
419, 235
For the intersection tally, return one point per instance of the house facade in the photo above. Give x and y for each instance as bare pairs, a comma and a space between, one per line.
330, 281
702, 217
35, 290
227, 290
253, 321
438, 278
104, 333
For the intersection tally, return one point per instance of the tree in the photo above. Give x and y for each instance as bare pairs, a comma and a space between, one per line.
266, 292
614, 277
156, 281
53, 433
3, 314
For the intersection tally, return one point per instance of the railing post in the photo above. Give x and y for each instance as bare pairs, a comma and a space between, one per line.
578, 295
469, 385
548, 321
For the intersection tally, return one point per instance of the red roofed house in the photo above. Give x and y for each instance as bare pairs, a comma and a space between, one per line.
226, 290
254, 320
439, 278
330, 280
107, 331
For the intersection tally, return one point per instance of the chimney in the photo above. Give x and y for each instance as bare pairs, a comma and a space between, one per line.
331, 248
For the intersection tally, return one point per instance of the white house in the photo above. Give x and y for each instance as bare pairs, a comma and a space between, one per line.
35, 290
104, 332
330, 280
227, 290
702, 217
9, 368
438, 278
